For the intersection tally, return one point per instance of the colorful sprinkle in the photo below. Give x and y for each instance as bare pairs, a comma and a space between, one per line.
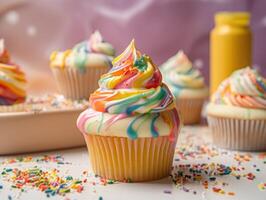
231, 193
242, 157
48, 182
262, 186
27, 159
209, 174
167, 192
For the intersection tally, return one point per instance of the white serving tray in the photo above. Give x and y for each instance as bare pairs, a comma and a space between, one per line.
23, 132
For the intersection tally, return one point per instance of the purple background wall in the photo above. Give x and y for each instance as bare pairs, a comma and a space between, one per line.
32, 29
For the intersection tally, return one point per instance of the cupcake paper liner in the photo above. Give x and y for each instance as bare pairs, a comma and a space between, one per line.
123, 159
190, 110
74, 84
238, 134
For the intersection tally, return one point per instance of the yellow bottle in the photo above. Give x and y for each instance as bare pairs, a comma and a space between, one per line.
230, 45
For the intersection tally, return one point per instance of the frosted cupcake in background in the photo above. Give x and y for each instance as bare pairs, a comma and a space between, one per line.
12, 83
77, 70
237, 112
131, 126
187, 85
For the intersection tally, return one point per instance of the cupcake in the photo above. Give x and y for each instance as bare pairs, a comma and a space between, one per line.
12, 82
131, 126
76, 71
237, 112
187, 85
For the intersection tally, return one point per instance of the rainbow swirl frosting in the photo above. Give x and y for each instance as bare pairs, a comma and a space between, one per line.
181, 77
131, 100
94, 52
133, 85
245, 88
12, 80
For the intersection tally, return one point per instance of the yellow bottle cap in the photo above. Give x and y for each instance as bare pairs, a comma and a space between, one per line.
233, 18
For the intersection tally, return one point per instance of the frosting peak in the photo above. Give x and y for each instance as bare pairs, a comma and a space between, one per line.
182, 61
133, 85
95, 44
4, 54
244, 88
131, 69
94, 52
180, 74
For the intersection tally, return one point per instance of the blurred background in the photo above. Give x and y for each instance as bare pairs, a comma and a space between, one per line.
33, 29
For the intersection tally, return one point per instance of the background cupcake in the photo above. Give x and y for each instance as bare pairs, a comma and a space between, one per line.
77, 70
187, 85
237, 112
12, 82
132, 125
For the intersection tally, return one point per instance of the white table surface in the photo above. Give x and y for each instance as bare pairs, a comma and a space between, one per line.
190, 140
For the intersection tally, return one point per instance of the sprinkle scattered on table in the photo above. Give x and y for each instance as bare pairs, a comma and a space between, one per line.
49, 182
209, 174
50, 102
242, 157
262, 186
206, 173
38, 159
262, 155
167, 191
